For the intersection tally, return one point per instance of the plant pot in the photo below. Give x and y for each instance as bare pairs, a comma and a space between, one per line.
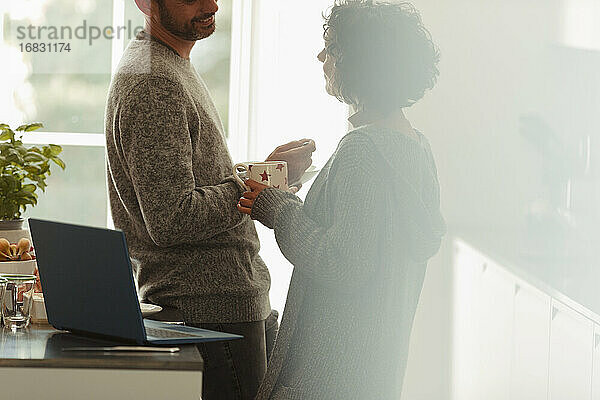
17, 267
11, 224
14, 230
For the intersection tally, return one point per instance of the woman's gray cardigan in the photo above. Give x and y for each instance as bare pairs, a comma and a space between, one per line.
359, 245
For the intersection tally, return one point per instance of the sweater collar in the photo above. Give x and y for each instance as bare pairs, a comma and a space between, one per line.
159, 45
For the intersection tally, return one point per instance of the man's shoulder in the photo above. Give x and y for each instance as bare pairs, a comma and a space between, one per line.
144, 63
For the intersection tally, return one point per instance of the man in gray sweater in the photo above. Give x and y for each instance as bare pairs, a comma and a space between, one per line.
173, 194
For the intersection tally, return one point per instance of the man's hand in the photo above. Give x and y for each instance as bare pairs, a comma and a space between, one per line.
297, 154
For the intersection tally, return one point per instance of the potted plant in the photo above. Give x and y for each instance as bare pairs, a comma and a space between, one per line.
23, 170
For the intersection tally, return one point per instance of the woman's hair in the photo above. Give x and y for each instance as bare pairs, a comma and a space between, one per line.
383, 55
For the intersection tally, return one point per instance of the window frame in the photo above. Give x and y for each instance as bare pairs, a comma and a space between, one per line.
78, 138
241, 90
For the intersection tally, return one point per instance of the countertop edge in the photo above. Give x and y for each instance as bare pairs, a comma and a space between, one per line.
90, 363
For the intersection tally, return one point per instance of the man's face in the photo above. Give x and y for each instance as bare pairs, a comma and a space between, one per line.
188, 19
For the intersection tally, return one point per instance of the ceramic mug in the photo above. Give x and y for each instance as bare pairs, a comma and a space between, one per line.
270, 173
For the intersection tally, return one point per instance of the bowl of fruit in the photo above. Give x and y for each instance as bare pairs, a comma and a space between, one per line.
16, 258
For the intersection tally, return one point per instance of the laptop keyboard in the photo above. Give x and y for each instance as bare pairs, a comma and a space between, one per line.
168, 333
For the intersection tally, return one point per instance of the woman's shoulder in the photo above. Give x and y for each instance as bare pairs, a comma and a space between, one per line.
355, 148
386, 143
354, 138
374, 150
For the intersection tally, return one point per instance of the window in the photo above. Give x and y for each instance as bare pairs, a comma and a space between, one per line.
67, 90
263, 54
278, 95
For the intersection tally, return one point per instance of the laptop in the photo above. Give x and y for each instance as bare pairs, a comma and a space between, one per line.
89, 289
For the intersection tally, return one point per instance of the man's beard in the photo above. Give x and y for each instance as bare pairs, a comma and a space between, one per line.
185, 32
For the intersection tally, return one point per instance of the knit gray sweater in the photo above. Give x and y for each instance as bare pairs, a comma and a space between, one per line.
172, 192
359, 245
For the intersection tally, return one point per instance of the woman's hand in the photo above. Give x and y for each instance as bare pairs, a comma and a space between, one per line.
247, 200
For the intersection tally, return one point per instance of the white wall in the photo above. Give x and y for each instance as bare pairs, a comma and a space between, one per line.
287, 100
502, 60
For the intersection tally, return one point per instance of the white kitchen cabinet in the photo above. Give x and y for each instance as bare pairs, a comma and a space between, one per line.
484, 302
571, 344
596, 365
513, 340
531, 342
495, 306
467, 266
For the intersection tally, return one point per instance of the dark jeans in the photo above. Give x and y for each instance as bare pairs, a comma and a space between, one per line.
234, 369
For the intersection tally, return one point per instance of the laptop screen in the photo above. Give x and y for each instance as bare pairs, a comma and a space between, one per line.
87, 279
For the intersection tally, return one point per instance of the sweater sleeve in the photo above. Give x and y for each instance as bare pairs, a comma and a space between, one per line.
157, 148
343, 254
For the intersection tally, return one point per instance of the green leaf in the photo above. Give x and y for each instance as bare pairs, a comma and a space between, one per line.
30, 127
11, 181
29, 188
4, 126
12, 210
7, 134
32, 169
31, 201
22, 194
59, 162
15, 156
45, 168
55, 149
34, 157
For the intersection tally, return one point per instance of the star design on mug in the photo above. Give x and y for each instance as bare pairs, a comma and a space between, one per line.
280, 167
264, 176
250, 167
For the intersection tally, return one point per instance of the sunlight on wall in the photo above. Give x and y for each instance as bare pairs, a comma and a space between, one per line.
32, 10
580, 25
16, 98
289, 102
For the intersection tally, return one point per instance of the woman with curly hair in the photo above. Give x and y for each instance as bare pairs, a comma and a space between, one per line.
371, 220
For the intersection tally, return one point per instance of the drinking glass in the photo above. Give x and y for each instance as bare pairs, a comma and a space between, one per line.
17, 300
2, 289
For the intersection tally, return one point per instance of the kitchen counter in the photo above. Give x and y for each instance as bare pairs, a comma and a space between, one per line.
34, 357
567, 270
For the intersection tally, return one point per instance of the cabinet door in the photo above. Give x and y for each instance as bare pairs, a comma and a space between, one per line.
484, 301
495, 331
596, 367
571, 344
531, 341
467, 265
